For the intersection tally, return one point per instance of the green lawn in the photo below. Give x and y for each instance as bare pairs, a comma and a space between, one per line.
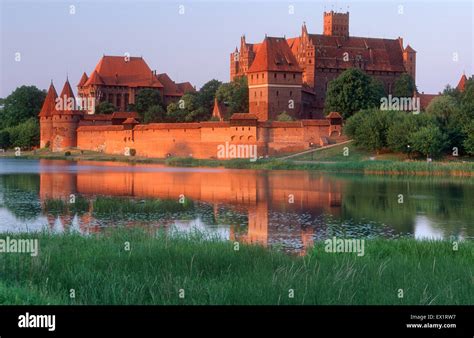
157, 268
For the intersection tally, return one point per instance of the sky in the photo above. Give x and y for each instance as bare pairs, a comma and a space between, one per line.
192, 40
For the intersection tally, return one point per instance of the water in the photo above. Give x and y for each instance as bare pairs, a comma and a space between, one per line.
287, 209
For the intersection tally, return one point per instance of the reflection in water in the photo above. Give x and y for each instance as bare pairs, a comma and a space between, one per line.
288, 208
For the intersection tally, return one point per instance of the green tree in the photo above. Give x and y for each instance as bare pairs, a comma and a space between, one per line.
284, 117
352, 91
468, 142
145, 99
404, 86
4, 139
23, 103
207, 93
154, 114
235, 95
428, 141
26, 134
105, 108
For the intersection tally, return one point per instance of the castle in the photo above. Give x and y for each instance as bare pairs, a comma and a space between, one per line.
120, 132
284, 75
117, 79
292, 74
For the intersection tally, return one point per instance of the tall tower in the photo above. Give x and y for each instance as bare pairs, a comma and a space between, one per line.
65, 120
46, 117
409, 60
275, 81
336, 24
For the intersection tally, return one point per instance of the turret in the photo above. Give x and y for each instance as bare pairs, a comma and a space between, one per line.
65, 120
46, 117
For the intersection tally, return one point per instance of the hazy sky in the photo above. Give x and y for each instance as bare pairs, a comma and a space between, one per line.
195, 46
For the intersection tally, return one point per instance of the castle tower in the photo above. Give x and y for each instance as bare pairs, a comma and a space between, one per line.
336, 24
275, 81
65, 120
46, 117
234, 63
409, 60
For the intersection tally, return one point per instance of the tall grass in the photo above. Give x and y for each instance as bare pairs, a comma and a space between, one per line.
158, 267
116, 205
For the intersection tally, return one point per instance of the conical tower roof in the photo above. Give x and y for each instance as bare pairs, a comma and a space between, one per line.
49, 102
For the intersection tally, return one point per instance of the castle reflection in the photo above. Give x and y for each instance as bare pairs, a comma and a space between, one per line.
263, 196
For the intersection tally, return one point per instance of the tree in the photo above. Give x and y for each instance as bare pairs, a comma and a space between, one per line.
284, 117
235, 95
404, 86
105, 108
428, 141
352, 91
26, 134
23, 103
207, 93
4, 139
154, 114
468, 143
145, 99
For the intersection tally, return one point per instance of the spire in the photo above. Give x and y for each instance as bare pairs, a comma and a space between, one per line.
304, 31
66, 94
83, 80
462, 83
49, 101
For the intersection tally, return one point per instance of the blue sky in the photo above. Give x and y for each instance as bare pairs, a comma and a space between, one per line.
195, 46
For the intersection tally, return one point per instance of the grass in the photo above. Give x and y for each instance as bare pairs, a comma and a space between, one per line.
157, 267
116, 205
326, 160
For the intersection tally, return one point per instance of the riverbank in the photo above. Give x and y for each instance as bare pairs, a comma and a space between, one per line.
326, 160
188, 269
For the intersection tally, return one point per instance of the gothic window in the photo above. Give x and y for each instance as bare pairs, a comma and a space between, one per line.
284, 76
275, 75
291, 93
277, 93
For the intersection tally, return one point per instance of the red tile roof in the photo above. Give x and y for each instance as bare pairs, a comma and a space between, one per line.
462, 83
186, 87
49, 102
379, 54
219, 111
121, 71
274, 55
169, 87
95, 79
83, 80
66, 94
130, 120
425, 99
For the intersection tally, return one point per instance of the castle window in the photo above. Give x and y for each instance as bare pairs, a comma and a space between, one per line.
242, 128
275, 75
251, 76
277, 93
294, 76
291, 93
257, 76
263, 75
254, 94
284, 76
260, 93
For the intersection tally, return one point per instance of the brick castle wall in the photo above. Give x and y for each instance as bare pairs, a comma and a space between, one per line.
201, 140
